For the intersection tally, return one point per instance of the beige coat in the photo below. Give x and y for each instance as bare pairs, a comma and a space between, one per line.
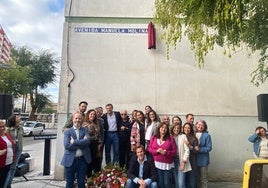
11, 131
183, 151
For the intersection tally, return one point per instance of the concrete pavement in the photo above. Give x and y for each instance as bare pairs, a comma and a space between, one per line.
48, 182
37, 179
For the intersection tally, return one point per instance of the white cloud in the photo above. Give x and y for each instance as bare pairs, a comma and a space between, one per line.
37, 24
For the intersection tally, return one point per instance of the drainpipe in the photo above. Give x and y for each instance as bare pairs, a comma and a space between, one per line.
68, 63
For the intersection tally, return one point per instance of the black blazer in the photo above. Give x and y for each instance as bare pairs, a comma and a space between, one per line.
149, 169
118, 121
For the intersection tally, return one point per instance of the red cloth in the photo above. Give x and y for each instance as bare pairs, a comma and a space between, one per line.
151, 36
3, 145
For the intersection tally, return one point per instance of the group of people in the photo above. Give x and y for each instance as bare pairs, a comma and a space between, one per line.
11, 146
155, 152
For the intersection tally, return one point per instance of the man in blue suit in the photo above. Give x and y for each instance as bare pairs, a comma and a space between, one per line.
77, 154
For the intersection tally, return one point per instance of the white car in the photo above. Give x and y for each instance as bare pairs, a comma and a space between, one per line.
31, 128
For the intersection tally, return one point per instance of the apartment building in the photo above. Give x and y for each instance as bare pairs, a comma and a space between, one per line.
5, 47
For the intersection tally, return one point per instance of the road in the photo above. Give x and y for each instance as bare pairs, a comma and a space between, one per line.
30, 139
36, 150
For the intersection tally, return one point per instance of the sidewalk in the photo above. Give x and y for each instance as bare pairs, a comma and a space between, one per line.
47, 182
36, 179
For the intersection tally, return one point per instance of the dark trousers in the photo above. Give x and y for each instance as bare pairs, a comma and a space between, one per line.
95, 165
3, 174
191, 178
124, 153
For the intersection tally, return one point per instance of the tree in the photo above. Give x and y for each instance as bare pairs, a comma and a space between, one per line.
232, 24
48, 110
42, 72
14, 80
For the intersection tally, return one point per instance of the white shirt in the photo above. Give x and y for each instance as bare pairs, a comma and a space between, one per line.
78, 151
9, 158
263, 148
111, 122
150, 131
198, 136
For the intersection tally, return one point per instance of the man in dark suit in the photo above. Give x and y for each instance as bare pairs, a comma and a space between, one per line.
142, 171
82, 107
112, 121
77, 154
124, 139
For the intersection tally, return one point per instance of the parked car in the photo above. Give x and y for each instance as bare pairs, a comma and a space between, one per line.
31, 128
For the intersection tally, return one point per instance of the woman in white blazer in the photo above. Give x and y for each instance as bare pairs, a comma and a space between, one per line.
183, 153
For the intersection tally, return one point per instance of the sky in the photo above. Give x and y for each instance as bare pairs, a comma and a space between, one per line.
37, 24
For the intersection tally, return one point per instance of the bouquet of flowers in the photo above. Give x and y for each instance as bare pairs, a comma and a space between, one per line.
112, 176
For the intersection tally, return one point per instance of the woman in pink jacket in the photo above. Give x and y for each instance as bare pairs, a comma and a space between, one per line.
6, 152
163, 148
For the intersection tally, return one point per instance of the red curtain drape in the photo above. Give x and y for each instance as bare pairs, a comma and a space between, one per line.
151, 36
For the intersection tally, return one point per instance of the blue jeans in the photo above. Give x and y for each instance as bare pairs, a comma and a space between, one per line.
12, 171
164, 177
131, 184
181, 179
78, 170
112, 139
175, 172
190, 180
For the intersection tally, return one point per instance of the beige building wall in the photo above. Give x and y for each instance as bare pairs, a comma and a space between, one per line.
101, 65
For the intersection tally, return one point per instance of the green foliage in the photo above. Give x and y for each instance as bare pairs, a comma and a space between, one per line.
47, 110
42, 69
227, 23
14, 80
41, 101
42, 65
